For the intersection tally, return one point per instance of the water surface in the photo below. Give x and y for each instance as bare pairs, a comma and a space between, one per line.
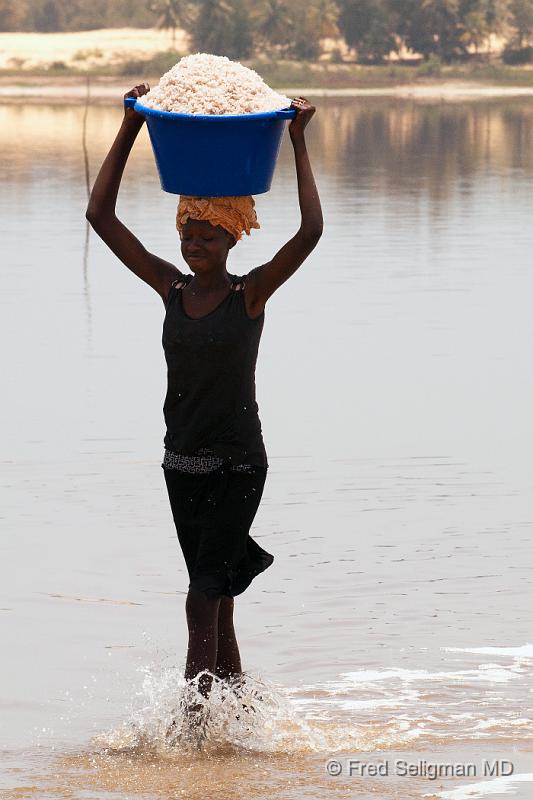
394, 385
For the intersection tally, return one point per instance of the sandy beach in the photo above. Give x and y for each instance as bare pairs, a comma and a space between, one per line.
65, 67
85, 49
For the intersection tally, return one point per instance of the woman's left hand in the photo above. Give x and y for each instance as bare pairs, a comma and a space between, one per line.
304, 112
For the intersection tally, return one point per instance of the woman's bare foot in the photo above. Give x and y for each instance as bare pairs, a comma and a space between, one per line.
194, 718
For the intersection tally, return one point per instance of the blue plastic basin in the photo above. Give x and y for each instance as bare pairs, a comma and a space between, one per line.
212, 155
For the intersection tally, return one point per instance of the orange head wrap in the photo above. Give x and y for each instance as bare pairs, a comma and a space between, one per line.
235, 214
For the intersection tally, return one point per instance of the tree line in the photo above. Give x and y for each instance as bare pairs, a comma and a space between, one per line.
295, 29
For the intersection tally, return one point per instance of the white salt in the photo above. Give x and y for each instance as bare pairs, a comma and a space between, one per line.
208, 84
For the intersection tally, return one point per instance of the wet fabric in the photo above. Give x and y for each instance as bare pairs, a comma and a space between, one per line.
213, 514
210, 400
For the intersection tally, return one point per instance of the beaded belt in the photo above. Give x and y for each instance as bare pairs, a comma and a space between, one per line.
204, 461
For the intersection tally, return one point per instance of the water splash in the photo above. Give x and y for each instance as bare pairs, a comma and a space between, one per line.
249, 714
278, 737
361, 710
253, 715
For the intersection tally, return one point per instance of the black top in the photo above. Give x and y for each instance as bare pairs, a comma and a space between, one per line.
210, 400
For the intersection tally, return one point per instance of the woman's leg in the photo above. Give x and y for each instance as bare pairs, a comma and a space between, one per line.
228, 661
202, 620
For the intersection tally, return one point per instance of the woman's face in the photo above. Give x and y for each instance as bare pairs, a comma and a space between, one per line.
204, 246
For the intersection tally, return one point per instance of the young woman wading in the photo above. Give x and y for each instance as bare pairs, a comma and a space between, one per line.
215, 463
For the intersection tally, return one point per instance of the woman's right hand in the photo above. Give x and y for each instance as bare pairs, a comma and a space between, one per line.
137, 91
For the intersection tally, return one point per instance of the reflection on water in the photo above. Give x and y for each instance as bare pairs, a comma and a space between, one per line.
398, 503
429, 151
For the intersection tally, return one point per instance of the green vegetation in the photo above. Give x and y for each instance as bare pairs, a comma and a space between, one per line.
289, 74
441, 31
156, 65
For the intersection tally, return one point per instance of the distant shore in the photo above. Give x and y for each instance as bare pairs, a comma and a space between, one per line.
122, 57
27, 89
63, 67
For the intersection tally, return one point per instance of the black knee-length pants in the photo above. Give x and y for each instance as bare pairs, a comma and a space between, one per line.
213, 513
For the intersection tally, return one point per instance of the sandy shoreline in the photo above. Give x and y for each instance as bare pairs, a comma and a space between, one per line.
109, 90
54, 67
85, 49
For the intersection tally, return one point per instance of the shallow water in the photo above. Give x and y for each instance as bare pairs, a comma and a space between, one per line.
394, 386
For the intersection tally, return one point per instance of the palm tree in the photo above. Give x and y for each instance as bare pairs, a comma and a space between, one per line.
172, 14
224, 27
13, 14
274, 22
326, 15
522, 20
497, 12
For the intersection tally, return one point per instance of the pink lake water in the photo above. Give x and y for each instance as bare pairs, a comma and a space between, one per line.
394, 385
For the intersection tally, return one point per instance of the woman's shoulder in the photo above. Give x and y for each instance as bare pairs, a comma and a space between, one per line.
245, 287
177, 283
238, 282
181, 281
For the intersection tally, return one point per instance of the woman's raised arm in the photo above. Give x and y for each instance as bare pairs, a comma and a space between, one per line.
155, 271
264, 280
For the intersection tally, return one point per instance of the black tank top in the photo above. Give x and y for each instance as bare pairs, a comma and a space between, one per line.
210, 400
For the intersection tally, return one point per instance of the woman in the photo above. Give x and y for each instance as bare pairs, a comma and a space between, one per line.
215, 462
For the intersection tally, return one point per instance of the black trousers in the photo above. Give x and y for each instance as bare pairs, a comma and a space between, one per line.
213, 513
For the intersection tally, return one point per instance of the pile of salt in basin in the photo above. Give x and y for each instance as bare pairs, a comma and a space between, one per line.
208, 84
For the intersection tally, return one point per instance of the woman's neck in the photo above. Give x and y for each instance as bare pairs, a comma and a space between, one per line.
209, 283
